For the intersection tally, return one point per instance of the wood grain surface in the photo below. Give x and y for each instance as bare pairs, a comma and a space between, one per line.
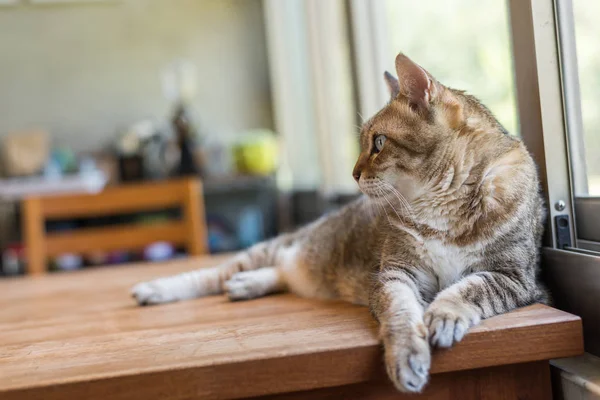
529, 381
80, 335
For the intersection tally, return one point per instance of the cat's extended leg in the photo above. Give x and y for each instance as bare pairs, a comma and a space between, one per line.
209, 281
477, 296
252, 284
396, 303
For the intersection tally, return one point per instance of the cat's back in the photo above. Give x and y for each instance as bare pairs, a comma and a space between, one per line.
348, 232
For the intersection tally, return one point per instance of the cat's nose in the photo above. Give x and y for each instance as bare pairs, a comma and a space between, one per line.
358, 167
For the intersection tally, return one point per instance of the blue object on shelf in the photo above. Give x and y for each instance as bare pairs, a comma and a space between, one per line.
69, 262
52, 170
250, 227
220, 236
159, 251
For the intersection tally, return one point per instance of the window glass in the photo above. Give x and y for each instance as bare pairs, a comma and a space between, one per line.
465, 44
586, 14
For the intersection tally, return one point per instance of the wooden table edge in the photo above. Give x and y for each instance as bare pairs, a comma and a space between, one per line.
327, 368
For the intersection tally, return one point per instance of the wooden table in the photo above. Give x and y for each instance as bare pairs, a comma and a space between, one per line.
80, 336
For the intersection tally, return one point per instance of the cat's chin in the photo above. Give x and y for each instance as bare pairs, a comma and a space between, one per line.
375, 189
372, 191
373, 196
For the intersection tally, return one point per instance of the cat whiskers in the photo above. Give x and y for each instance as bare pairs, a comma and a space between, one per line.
401, 199
372, 212
382, 189
362, 119
380, 193
386, 214
375, 208
387, 189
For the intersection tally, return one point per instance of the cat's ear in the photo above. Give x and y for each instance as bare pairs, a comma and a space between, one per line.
421, 89
414, 82
392, 84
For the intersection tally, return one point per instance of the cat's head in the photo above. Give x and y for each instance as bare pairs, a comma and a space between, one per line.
412, 138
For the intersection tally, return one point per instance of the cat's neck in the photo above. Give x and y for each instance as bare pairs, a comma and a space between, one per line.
473, 185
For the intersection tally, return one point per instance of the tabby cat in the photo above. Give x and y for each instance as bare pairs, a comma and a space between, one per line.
448, 231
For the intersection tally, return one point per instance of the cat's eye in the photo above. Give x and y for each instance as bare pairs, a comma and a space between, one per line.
379, 142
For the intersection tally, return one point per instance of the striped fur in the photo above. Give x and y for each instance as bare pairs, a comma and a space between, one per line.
447, 234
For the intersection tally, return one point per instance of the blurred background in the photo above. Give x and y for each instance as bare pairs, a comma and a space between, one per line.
261, 100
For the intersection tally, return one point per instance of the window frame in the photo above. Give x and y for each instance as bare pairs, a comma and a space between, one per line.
540, 105
587, 208
565, 23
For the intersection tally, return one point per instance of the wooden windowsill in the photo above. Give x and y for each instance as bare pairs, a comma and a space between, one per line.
79, 335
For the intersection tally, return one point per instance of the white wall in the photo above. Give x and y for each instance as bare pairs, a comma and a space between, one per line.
83, 71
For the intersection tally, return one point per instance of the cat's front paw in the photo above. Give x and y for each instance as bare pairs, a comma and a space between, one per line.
449, 321
407, 359
246, 285
157, 291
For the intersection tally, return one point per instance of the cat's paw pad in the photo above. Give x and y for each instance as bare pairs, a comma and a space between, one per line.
408, 361
153, 292
448, 322
245, 285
